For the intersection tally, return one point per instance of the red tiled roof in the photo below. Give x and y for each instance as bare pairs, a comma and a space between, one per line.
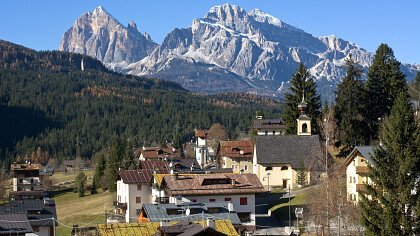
136, 176
236, 149
194, 184
150, 154
154, 165
201, 133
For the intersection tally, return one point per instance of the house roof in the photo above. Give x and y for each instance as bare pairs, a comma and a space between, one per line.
25, 166
151, 228
136, 176
154, 165
40, 212
128, 229
13, 224
185, 228
289, 149
198, 211
184, 163
232, 149
212, 184
366, 151
201, 133
269, 124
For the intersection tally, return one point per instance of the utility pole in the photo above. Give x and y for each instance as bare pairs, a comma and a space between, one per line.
290, 224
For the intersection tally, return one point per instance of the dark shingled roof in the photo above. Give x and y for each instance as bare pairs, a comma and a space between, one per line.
289, 149
198, 211
269, 124
40, 212
136, 176
184, 228
14, 224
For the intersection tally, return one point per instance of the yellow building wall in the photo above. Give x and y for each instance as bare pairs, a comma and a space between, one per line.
278, 176
238, 164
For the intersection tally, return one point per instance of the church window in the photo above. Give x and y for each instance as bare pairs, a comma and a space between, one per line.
304, 128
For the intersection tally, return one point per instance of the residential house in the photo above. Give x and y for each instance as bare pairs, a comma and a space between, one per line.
41, 214
133, 191
268, 126
157, 153
278, 159
236, 155
356, 169
15, 224
26, 177
201, 148
239, 189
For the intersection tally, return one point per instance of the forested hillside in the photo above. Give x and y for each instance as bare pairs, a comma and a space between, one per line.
47, 101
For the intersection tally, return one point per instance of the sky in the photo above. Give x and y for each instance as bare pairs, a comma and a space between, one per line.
41, 24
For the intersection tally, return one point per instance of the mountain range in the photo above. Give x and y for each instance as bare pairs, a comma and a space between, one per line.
229, 49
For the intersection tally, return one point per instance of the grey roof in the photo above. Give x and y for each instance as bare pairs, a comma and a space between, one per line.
39, 212
14, 224
289, 149
159, 212
366, 151
269, 124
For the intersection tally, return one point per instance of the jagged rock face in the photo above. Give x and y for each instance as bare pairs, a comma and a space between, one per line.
228, 49
100, 35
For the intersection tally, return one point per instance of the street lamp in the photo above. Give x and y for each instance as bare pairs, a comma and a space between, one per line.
268, 181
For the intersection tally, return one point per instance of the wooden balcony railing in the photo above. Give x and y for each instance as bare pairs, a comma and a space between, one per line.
361, 170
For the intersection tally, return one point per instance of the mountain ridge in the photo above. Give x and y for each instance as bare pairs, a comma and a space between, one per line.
235, 50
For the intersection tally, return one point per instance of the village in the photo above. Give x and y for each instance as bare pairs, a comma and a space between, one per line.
231, 188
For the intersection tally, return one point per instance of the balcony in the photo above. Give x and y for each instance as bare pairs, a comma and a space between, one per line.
120, 205
361, 170
361, 187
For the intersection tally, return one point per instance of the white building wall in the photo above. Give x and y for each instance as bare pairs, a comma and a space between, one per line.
127, 193
235, 199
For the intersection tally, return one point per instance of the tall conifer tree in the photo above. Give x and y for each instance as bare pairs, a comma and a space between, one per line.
388, 205
114, 162
350, 107
302, 81
385, 81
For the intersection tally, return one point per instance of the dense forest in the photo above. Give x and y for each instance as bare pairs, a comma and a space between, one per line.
49, 100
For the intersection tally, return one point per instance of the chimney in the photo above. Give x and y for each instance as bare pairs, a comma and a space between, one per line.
210, 222
230, 207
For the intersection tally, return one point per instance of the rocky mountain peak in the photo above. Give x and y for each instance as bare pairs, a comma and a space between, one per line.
100, 35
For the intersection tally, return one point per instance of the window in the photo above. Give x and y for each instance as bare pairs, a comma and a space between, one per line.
243, 201
274, 132
268, 168
245, 167
354, 179
213, 210
138, 212
233, 167
138, 186
138, 199
266, 132
228, 199
284, 168
304, 128
350, 180
212, 200
194, 200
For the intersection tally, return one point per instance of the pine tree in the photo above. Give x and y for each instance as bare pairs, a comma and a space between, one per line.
385, 81
301, 174
389, 204
80, 183
114, 162
414, 90
129, 161
302, 82
350, 108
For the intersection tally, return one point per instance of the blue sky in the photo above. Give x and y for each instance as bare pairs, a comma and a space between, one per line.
41, 24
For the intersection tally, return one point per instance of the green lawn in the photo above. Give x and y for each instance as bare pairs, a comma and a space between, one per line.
281, 208
83, 211
60, 177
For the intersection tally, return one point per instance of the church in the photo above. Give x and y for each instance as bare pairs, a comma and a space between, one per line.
278, 159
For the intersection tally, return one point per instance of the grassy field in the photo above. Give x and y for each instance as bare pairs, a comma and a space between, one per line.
83, 211
281, 208
61, 177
